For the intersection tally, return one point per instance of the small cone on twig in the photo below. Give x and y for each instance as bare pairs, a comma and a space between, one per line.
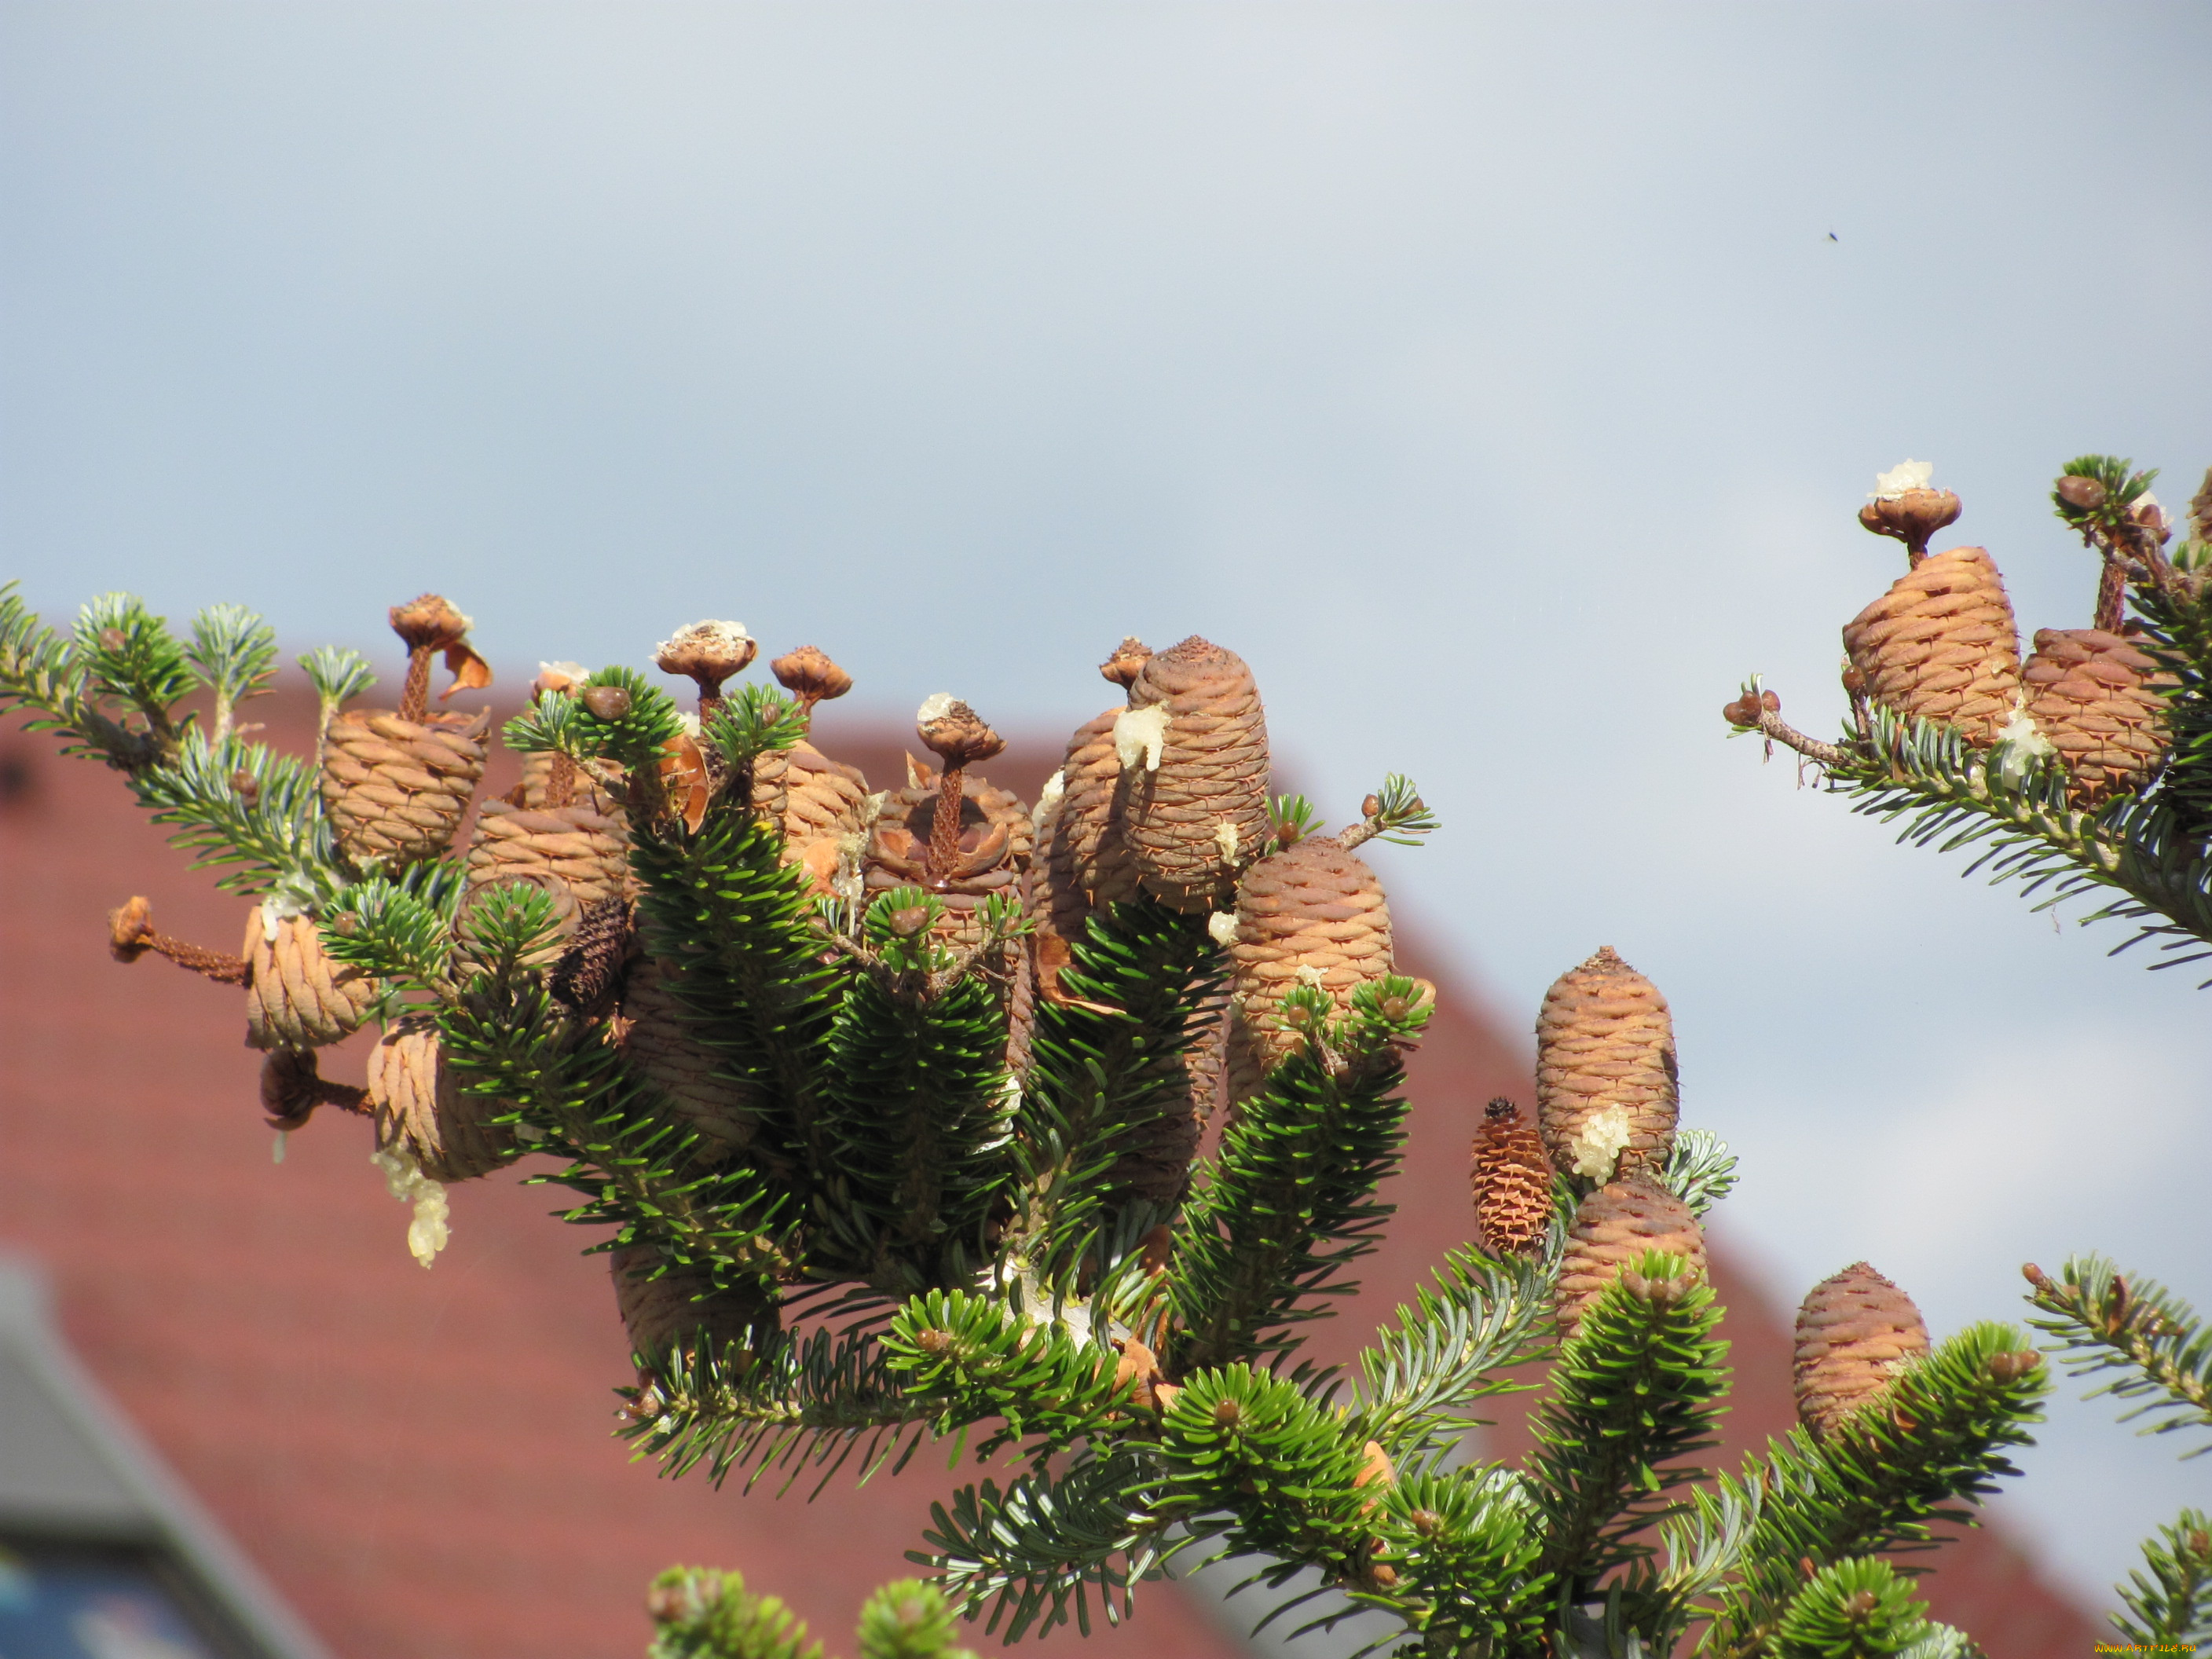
1941, 645
1512, 1182
675, 1307
296, 997
1194, 742
656, 1037
395, 783
1313, 914
1855, 1332
1606, 1079
421, 1108
1615, 1225
950, 832
2095, 696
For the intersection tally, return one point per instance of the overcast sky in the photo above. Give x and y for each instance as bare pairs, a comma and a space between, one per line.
1501, 383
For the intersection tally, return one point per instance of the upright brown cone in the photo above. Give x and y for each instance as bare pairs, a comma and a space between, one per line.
1941, 645
1512, 1182
395, 789
1615, 1225
821, 805
1312, 915
660, 1041
675, 1308
587, 849
1092, 815
296, 997
420, 1108
1855, 1332
1605, 1070
2095, 696
1195, 741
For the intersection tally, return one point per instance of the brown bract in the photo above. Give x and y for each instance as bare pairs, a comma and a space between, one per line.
296, 997
1312, 914
420, 1108
1613, 1228
1200, 816
1605, 1039
1855, 1332
1939, 645
2096, 696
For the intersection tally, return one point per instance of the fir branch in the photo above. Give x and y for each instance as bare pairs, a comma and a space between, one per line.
970, 1357
1030, 1557
1291, 1200
908, 1619
755, 720
699, 1612
1636, 1390
1396, 812
43, 673
233, 651
1463, 1547
2173, 1606
1700, 1169
129, 655
247, 809
1858, 1608
1899, 1464
392, 934
2106, 1322
1422, 1379
1106, 1068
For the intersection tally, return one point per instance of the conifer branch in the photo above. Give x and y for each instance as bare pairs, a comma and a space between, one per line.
2172, 1606
2106, 1322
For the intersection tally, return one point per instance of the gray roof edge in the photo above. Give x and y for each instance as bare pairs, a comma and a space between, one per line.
28, 1327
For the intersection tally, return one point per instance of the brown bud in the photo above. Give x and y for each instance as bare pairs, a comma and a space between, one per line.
1912, 517
1127, 659
1371, 807
809, 675
1427, 1522
2200, 1544
1770, 703
244, 786
2011, 1367
1859, 1604
128, 928
909, 921
1854, 679
1739, 713
2035, 1276
606, 702
708, 651
429, 623
955, 732
933, 1341
1158, 1249
113, 639
1227, 1414
2083, 494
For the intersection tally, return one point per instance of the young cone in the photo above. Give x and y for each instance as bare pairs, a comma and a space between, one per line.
674, 1308
1314, 914
296, 997
1512, 1182
1615, 1225
1093, 815
1606, 1085
587, 849
1195, 741
2095, 696
657, 1038
1941, 645
421, 1110
1855, 1332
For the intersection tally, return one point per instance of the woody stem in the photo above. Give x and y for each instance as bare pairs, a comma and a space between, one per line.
223, 969
415, 695
561, 781
1782, 732
944, 827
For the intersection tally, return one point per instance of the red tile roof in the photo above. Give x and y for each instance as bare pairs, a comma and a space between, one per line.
422, 1462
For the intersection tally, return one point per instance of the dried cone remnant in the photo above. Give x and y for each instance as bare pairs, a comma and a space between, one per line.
2095, 696
658, 1038
675, 1308
951, 832
421, 1110
810, 677
1312, 914
1941, 646
707, 653
132, 933
1512, 1182
1904, 508
1605, 1086
1855, 1332
296, 997
395, 783
1616, 1224
1194, 742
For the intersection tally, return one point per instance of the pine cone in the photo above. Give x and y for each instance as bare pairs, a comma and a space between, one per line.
1605, 1070
1093, 809
469, 954
1941, 645
395, 790
421, 1108
1855, 1332
296, 996
676, 1308
1615, 1225
1512, 1182
2095, 696
822, 806
1195, 741
538, 777
587, 849
660, 1040
996, 837
1313, 914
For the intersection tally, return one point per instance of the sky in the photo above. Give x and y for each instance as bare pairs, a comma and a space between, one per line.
1502, 382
